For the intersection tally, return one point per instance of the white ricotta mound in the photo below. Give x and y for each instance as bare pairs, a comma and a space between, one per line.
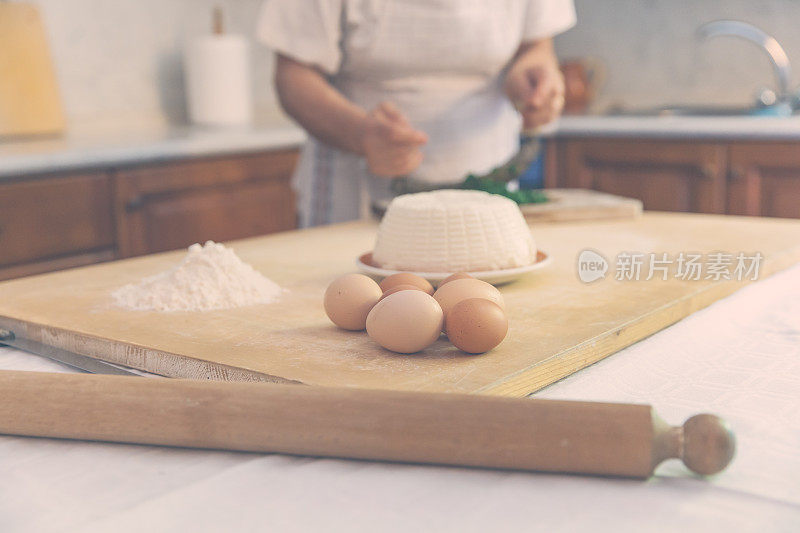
453, 231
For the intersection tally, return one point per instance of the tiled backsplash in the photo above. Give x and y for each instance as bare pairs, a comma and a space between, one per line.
120, 60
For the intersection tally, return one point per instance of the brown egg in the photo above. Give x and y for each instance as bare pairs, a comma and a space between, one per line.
398, 288
453, 277
405, 322
349, 299
406, 278
463, 289
476, 325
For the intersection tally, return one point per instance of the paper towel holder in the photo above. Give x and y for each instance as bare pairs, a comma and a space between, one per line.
218, 81
217, 21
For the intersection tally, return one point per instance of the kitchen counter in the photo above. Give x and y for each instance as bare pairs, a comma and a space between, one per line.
739, 358
92, 148
680, 127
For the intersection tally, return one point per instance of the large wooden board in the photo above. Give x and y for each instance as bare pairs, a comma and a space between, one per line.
557, 323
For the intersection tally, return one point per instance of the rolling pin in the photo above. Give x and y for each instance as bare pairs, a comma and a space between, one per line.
449, 429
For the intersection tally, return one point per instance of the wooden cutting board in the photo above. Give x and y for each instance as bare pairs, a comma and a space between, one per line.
29, 99
581, 204
558, 324
567, 205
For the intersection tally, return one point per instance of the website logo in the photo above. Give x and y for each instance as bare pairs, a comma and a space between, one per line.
591, 266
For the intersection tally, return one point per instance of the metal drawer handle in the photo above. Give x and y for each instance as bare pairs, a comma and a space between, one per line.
134, 203
708, 171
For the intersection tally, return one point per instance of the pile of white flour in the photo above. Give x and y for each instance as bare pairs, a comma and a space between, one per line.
209, 277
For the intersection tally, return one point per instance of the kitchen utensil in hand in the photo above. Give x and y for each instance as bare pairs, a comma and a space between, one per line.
529, 149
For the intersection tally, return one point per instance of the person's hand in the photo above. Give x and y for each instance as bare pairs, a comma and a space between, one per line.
536, 88
390, 144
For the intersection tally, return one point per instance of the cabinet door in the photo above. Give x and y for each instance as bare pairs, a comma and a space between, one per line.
49, 223
664, 175
174, 205
764, 179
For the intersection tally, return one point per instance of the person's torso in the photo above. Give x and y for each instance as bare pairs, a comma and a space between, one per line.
441, 62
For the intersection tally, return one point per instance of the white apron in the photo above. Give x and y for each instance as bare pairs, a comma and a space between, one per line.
440, 61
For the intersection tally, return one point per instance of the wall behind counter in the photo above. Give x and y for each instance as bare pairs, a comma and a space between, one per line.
120, 60
652, 57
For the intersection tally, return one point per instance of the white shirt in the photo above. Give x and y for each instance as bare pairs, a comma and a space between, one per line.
440, 61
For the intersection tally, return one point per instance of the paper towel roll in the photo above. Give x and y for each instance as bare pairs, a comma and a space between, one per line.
218, 80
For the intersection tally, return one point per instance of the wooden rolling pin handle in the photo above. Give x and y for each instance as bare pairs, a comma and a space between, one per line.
705, 443
455, 429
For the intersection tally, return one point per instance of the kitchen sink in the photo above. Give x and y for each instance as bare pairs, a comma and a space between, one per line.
768, 103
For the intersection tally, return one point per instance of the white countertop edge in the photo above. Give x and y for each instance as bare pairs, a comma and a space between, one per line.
118, 149
686, 128
57, 155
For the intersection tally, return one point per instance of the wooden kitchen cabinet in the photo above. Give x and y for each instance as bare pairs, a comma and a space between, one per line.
732, 177
47, 223
73, 219
764, 179
169, 206
665, 175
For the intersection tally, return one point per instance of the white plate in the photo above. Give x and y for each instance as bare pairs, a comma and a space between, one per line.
495, 277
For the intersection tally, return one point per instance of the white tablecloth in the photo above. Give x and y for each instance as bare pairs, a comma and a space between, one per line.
740, 358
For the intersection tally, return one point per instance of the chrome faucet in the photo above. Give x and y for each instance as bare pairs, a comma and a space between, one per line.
776, 53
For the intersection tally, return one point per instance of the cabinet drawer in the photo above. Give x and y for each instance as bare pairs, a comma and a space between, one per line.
171, 221
52, 217
664, 175
151, 180
169, 206
765, 179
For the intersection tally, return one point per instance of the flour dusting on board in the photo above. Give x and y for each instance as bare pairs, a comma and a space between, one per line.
209, 277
